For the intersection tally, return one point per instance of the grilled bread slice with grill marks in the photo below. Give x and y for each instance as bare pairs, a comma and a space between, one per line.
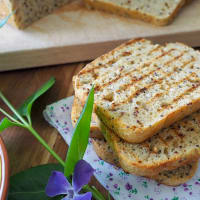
141, 87
154, 11
170, 148
95, 131
172, 140
174, 177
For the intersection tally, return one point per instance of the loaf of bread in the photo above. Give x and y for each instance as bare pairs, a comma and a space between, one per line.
174, 177
141, 88
25, 12
154, 11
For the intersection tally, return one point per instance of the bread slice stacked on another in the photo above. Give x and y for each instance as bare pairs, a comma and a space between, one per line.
154, 11
172, 148
141, 87
146, 105
25, 12
174, 177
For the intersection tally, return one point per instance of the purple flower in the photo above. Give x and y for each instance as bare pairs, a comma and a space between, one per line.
58, 183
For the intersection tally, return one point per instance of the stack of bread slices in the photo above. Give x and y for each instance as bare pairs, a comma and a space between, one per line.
146, 116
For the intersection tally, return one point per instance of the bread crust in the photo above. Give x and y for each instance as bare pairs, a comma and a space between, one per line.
95, 132
144, 169
174, 177
133, 133
119, 10
28, 11
141, 134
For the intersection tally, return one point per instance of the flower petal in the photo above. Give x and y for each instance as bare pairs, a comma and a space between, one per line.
82, 174
57, 184
86, 196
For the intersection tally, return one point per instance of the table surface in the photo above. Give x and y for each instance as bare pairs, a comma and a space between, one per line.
24, 150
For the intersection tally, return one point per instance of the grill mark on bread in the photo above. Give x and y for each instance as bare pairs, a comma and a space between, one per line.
181, 95
151, 118
138, 92
178, 134
146, 144
146, 75
104, 152
162, 140
157, 95
100, 65
143, 66
155, 49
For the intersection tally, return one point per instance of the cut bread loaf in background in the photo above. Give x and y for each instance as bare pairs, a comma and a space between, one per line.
28, 11
171, 148
141, 87
154, 11
174, 177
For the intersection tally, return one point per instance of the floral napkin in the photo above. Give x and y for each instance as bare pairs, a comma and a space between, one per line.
120, 184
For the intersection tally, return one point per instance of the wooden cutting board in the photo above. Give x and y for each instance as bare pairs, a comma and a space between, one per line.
74, 34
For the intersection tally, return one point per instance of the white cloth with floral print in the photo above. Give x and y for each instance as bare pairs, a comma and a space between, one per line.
120, 184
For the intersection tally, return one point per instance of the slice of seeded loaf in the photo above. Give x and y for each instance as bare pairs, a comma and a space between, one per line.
174, 177
141, 87
171, 148
154, 11
75, 114
28, 11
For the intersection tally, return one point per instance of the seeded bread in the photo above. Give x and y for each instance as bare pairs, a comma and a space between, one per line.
28, 11
154, 11
171, 148
174, 177
141, 87
95, 131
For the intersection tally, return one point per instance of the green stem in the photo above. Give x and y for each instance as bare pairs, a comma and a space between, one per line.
53, 153
10, 117
29, 120
95, 193
13, 109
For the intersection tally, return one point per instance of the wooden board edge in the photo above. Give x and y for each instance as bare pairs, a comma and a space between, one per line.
81, 52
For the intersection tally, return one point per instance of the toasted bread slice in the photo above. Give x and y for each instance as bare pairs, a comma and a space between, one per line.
166, 150
104, 151
171, 148
25, 12
174, 177
141, 88
95, 131
156, 12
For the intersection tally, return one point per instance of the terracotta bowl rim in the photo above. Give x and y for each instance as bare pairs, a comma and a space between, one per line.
5, 160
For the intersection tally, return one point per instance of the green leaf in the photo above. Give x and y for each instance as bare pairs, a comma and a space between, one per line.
80, 137
109, 198
25, 108
30, 184
6, 123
